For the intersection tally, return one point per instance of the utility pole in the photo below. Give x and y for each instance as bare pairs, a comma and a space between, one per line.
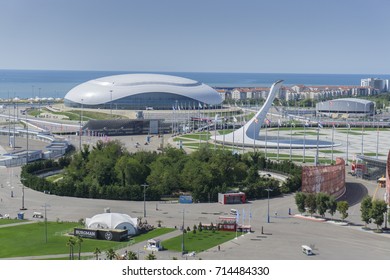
145, 185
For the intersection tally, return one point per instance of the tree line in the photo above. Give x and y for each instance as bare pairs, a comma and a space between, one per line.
371, 210
320, 203
107, 170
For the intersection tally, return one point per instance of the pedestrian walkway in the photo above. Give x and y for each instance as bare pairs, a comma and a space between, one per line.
139, 248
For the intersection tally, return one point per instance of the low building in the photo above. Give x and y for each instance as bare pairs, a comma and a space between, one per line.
232, 198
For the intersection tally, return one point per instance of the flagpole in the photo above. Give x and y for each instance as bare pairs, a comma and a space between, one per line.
237, 220
223, 132
362, 138
348, 128
254, 139
243, 138
290, 141
377, 140
332, 143
277, 158
199, 107
234, 128
250, 220
318, 138
304, 142
265, 150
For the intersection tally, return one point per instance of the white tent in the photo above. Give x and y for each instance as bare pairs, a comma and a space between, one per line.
113, 221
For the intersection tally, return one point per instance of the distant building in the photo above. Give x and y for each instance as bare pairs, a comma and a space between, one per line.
348, 106
380, 84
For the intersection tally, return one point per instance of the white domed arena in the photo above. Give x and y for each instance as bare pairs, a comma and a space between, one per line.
141, 92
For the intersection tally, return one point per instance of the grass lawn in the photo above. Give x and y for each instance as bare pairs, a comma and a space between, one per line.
11, 221
352, 132
30, 240
373, 154
200, 241
225, 131
55, 177
202, 136
330, 151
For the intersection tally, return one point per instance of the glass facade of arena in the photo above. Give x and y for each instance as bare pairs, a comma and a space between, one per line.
155, 100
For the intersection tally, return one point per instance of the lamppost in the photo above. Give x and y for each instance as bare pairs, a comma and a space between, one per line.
45, 206
268, 190
145, 185
23, 208
182, 239
111, 103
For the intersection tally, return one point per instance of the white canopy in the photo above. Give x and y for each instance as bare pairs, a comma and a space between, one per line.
113, 221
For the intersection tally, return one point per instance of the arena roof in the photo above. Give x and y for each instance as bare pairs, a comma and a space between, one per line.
125, 89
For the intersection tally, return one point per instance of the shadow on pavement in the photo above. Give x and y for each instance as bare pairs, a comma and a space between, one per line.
354, 193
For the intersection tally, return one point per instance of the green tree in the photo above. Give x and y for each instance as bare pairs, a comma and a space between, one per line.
132, 256
365, 210
197, 178
71, 242
78, 242
300, 199
378, 209
332, 205
151, 257
129, 171
311, 203
322, 203
342, 207
97, 252
110, 254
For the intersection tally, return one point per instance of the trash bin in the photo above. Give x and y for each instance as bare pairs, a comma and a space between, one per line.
21, 216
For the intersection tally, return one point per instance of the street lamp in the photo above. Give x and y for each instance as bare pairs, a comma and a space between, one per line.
268, 190
145, 185
182, 239
23, 208
45, 206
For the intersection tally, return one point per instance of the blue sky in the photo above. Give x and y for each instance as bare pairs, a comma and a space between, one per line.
273, 36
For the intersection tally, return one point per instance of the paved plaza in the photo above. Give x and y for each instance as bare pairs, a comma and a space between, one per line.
281, 238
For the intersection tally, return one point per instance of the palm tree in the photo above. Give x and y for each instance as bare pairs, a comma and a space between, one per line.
110, 253
79, 240
71, 242
96, 252
132, 256
150, 257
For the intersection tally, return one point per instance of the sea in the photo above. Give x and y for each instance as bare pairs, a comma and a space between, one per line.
56, 83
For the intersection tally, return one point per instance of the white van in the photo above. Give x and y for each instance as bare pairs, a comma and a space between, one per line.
233, 212
37, 215
307, 250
